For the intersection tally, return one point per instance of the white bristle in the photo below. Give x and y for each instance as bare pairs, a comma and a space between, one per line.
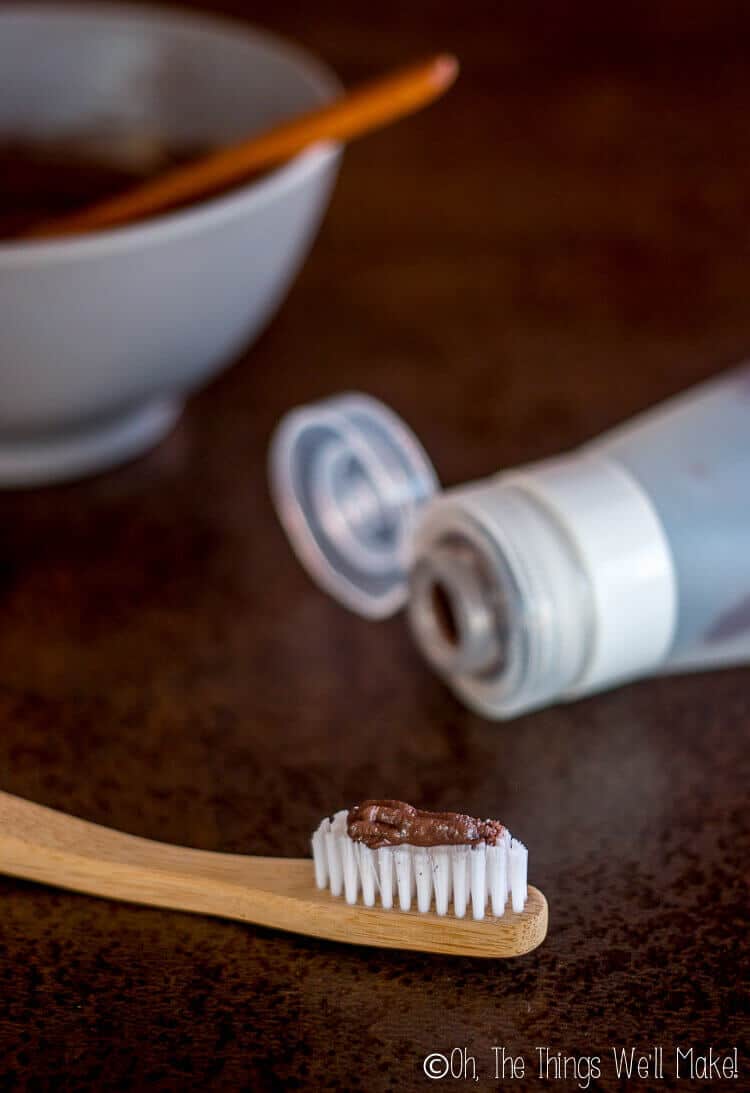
351, 871
460, 863
320, 857
335, 865
519, 857
367, 874
497, 874
385, 874
423, 874
333, 829
438, 876
478, 880
506, 844
440, 858
404, 876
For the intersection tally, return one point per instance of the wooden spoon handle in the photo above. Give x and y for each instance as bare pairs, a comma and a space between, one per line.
366, 108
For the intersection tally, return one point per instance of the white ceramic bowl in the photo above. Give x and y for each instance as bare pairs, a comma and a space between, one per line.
102, 337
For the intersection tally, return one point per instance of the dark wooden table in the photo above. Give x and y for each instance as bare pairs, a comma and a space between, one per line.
560, 243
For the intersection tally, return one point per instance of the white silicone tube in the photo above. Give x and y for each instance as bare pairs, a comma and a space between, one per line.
627, 557
691, 456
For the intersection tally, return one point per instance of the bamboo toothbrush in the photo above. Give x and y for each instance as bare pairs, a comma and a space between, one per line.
368, 107
40, 844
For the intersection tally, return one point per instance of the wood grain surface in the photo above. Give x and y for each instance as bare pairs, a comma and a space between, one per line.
562, 241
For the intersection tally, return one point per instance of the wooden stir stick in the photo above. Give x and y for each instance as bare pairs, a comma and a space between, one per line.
368, 107
40, 844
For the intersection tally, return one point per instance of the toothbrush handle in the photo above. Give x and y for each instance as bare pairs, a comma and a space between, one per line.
50, 847
40, 844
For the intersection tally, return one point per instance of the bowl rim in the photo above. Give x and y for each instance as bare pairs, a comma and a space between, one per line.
205, 213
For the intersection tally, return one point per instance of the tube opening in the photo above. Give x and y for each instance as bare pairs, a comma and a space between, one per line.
445, 615
499, 603
452, 609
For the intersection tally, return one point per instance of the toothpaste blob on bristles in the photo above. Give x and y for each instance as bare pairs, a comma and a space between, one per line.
392, 851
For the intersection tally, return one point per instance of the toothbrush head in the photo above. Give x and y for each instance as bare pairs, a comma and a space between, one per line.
392, 853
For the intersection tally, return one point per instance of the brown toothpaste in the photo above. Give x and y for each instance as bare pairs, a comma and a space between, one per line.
394, 823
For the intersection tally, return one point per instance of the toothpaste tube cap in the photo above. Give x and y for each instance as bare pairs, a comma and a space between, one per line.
348, 479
